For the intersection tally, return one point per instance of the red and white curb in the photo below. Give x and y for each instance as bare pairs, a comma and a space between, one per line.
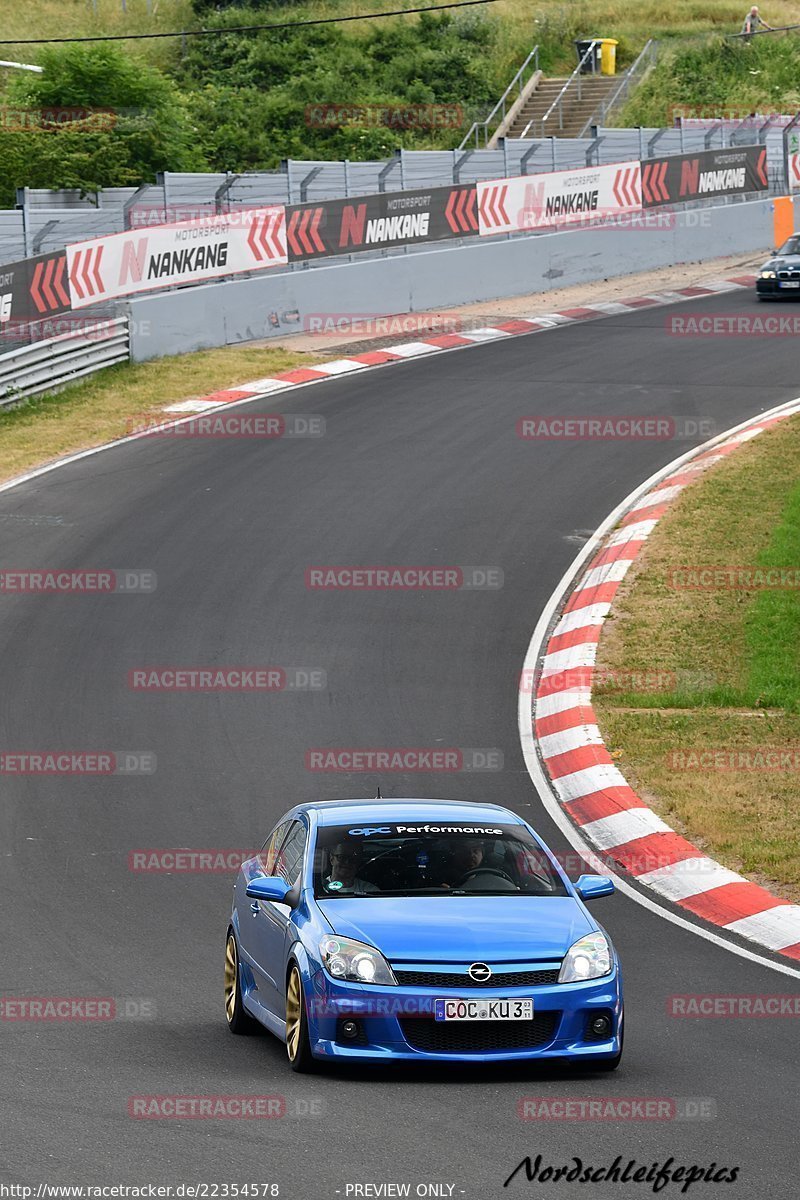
274, 384
588, 787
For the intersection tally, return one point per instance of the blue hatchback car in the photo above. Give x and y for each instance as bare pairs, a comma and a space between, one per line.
420, 930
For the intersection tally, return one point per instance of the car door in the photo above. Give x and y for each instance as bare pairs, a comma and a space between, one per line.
247, 911
269, 921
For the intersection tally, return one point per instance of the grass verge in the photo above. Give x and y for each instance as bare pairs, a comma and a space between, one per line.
100, 409
710, 734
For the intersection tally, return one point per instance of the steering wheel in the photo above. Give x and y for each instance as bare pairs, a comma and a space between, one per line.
486, 871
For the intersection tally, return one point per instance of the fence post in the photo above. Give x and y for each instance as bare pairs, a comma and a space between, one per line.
22, 202
220, 195
458, 165
129, 203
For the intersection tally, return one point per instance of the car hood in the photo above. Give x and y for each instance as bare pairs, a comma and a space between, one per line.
789, 262
461, 928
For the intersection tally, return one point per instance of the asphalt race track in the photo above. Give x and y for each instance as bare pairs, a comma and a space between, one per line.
420, 466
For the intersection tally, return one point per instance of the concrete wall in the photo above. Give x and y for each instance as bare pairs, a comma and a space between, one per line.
277, 303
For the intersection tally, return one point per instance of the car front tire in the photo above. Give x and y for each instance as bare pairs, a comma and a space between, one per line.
239, 1021
298, 1046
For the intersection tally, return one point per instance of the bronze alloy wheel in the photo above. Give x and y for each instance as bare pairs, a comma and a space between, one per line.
293, 1014
239, 1020
298, 1047
231, 972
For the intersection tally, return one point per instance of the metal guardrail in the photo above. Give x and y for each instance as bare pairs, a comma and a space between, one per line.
52, 364
634, 75
574, 81
518, 82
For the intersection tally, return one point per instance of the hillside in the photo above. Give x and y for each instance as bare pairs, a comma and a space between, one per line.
240, 101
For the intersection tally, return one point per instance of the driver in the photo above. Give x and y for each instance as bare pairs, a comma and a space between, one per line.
466, 856
343, 880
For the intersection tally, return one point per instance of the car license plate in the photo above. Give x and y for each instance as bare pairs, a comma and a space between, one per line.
790, 283
485, 1009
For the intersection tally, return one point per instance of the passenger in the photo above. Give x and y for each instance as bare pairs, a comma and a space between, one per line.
343, 879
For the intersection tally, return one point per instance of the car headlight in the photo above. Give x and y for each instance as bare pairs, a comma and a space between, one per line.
768, 275
589, 958
355, 962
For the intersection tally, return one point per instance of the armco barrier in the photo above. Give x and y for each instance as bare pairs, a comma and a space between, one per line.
48, 365
279, 303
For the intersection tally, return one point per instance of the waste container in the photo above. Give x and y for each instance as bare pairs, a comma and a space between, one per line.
592, 63
608, 56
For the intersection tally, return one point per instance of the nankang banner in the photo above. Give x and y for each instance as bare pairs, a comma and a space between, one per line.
32, 290
558, 198
681, 177
346, 226
170, 255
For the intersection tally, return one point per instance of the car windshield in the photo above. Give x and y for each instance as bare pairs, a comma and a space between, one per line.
443, 860
791, 247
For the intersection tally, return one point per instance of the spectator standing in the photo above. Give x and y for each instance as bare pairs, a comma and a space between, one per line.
752, 22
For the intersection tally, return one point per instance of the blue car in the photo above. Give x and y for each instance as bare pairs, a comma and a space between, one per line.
419, 930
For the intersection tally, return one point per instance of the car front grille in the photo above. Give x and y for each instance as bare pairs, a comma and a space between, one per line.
451, 979
478, 1037
788, 274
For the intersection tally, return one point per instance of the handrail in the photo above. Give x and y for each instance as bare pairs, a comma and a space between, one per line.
559, 100
501, 103
646, 54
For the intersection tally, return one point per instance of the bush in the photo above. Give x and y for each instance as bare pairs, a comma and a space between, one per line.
149, 128
249, 96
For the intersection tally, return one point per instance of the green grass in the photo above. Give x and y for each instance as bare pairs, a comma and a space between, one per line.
107, 406
772, 622
732, 655
712, 76
77, 18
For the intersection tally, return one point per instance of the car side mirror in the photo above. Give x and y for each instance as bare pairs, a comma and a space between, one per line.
268, 887
592, 887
